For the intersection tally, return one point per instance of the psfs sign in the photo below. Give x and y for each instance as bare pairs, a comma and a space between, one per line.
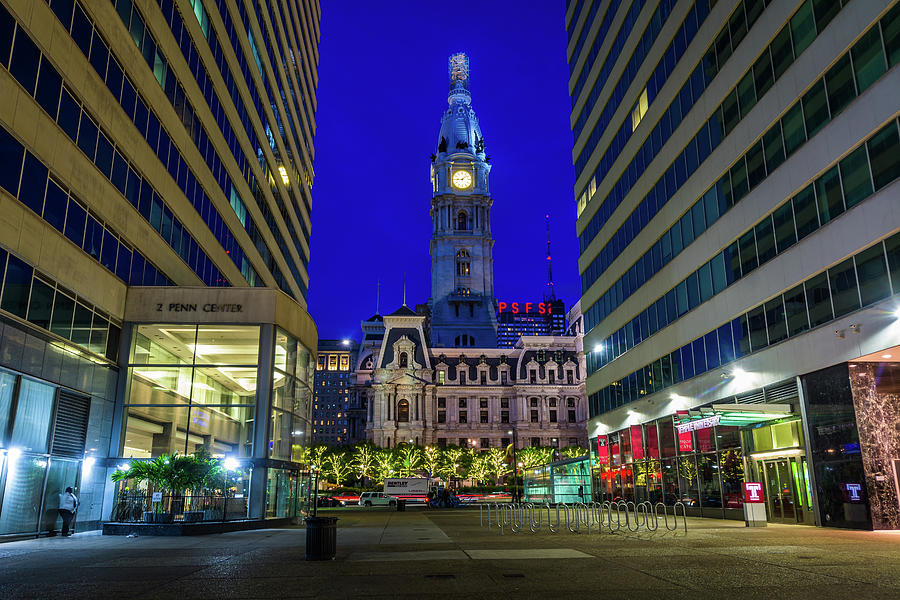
527, 308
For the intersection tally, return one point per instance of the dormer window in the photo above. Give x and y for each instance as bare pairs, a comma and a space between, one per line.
404, 360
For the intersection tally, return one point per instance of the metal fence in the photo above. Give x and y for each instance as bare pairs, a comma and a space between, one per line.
140, 507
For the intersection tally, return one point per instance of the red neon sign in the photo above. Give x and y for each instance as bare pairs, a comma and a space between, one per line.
528, 308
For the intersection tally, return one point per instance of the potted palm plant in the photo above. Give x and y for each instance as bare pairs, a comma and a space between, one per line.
172, 474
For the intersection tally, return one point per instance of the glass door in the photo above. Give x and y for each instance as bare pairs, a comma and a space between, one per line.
780, 500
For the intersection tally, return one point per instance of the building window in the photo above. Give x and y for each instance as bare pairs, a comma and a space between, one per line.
463, 417
462, 262
534, 416
570, 402
332, 362
483, 378
503, 378
552, 402
504, 442
442, 403
571, 415
569, 377
485, 442
535, 442
442, 442
553, 416
534, 402
462, 403
639, 110
345, 362
442, 416
483, 403
462, 221
403, 411
442, 377
504, 416
463, 442
504, 402
404, 360
552, 376
462, 378
484, 416
532, 374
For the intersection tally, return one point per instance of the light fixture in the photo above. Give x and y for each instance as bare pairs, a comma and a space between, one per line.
897, 313
123, 467
887, 355
14, 453
230, 463
346, 342
598, 348
284, 176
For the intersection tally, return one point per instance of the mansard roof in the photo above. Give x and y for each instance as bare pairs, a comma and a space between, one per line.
395, 334
404, 311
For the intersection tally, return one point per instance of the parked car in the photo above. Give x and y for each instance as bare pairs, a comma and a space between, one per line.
328, 501
376, 499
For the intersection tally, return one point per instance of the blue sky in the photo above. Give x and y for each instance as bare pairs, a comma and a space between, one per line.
382, 90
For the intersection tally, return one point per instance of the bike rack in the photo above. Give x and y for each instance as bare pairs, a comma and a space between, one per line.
581, 515
550, 527
683, 515
647, 509
536, 525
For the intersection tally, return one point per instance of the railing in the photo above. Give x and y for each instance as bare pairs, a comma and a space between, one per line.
580, 516
139, 507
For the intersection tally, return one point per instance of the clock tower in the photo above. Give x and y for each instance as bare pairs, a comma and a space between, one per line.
463, 313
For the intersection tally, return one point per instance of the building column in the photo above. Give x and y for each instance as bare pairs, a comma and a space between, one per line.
261, 422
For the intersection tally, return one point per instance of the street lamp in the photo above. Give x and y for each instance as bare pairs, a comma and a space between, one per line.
555, 442
515, 435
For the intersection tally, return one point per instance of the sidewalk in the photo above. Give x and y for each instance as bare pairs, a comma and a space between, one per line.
445, 554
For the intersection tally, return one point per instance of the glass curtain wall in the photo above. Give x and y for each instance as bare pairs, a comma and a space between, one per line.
191, 387
291, 394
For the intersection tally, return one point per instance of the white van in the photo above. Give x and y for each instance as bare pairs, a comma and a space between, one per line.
376, 499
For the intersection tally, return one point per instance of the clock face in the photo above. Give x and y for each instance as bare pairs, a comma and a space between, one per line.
462, 180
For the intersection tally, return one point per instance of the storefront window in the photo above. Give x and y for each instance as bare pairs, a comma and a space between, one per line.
31, 431
688, 480
291, 393
708, 470
191, 387
731, 469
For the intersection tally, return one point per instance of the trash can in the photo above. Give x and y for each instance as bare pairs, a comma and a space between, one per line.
321, 538
401, 505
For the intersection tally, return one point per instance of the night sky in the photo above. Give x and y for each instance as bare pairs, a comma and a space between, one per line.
382, 90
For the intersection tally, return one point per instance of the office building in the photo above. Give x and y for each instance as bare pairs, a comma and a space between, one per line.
515, 319
336, 360
739, 236
155, 174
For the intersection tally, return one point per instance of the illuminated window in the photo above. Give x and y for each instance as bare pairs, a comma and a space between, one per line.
639, 110
403, 411
442, 377
345, 362
462, 263
332, 362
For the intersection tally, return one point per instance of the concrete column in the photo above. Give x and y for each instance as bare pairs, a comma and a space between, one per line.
261, 421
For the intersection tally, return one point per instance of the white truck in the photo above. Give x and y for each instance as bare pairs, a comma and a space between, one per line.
408, 488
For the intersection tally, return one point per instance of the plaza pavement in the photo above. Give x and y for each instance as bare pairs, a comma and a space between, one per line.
446, 554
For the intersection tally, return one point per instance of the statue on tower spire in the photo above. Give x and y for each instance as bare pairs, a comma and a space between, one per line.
459, 78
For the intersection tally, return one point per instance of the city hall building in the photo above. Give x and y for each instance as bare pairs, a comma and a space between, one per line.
155, 174
440, 378
739, 236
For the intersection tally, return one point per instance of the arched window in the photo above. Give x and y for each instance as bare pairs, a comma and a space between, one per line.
462, 263
462, 221
471, 341
404, 360
403, 411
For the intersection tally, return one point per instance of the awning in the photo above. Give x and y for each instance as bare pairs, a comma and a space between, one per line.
735, 415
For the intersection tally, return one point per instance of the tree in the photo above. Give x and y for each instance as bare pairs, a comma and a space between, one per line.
479, 470
408, 459
495, 463
383, 464
317, 455
535, 456
364, 459
451, 460
338, 466
574, 452
431, 459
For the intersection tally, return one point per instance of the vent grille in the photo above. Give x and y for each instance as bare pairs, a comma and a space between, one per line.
782, 392
70, 430
754, 397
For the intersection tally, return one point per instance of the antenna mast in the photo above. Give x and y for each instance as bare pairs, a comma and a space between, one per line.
550, 294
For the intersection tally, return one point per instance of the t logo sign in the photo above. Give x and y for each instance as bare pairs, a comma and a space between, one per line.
753, 492
852, 492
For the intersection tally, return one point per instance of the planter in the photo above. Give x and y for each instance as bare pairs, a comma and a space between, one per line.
213, 514
193, 516
164, 518
149, 516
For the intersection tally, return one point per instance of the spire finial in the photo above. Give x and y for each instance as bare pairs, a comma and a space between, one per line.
404, 288
459, 77
550, 294
377, 296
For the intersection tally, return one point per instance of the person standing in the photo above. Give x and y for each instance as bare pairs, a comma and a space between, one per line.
68, 505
